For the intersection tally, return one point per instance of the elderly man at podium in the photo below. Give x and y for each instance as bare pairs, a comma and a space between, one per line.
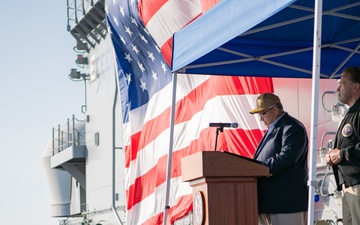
283, 196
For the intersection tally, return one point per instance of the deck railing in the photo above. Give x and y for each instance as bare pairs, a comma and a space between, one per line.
67, 135
76, 9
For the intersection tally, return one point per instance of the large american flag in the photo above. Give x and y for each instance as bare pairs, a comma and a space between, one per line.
141, 33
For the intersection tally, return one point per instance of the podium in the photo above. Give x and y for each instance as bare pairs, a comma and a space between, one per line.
224, 187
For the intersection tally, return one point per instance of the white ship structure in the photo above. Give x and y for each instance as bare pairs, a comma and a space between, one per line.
85, 162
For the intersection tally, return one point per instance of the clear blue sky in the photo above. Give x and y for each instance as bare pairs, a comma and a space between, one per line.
36, 55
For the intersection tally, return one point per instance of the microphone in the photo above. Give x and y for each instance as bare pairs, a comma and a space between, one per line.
222, 125
220, 128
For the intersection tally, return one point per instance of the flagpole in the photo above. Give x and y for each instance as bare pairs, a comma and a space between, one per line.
315, 102
171, 143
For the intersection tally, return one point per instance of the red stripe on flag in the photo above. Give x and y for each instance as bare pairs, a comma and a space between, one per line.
147, 9
166, 51
131, 150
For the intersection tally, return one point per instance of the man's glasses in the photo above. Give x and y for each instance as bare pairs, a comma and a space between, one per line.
263, 114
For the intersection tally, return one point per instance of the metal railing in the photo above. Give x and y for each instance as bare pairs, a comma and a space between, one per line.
67, 135
76, 9
86, 21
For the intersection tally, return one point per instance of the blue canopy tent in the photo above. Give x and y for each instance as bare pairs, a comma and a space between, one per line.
221, 41
279, 38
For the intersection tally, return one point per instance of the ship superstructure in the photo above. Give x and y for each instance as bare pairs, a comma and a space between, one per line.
84, 158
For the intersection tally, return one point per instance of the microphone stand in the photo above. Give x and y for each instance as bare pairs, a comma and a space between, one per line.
219, 129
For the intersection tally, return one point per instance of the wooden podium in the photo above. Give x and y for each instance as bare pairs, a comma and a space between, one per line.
224, 187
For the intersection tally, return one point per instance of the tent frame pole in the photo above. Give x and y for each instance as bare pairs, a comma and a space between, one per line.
312, 182
171, 146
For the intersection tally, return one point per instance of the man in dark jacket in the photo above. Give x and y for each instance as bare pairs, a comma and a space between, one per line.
283, 196
345, 157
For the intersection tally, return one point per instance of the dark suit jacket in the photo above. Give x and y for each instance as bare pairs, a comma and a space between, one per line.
285, 152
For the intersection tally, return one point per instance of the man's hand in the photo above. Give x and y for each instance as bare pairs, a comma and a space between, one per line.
334, 157
328, 159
